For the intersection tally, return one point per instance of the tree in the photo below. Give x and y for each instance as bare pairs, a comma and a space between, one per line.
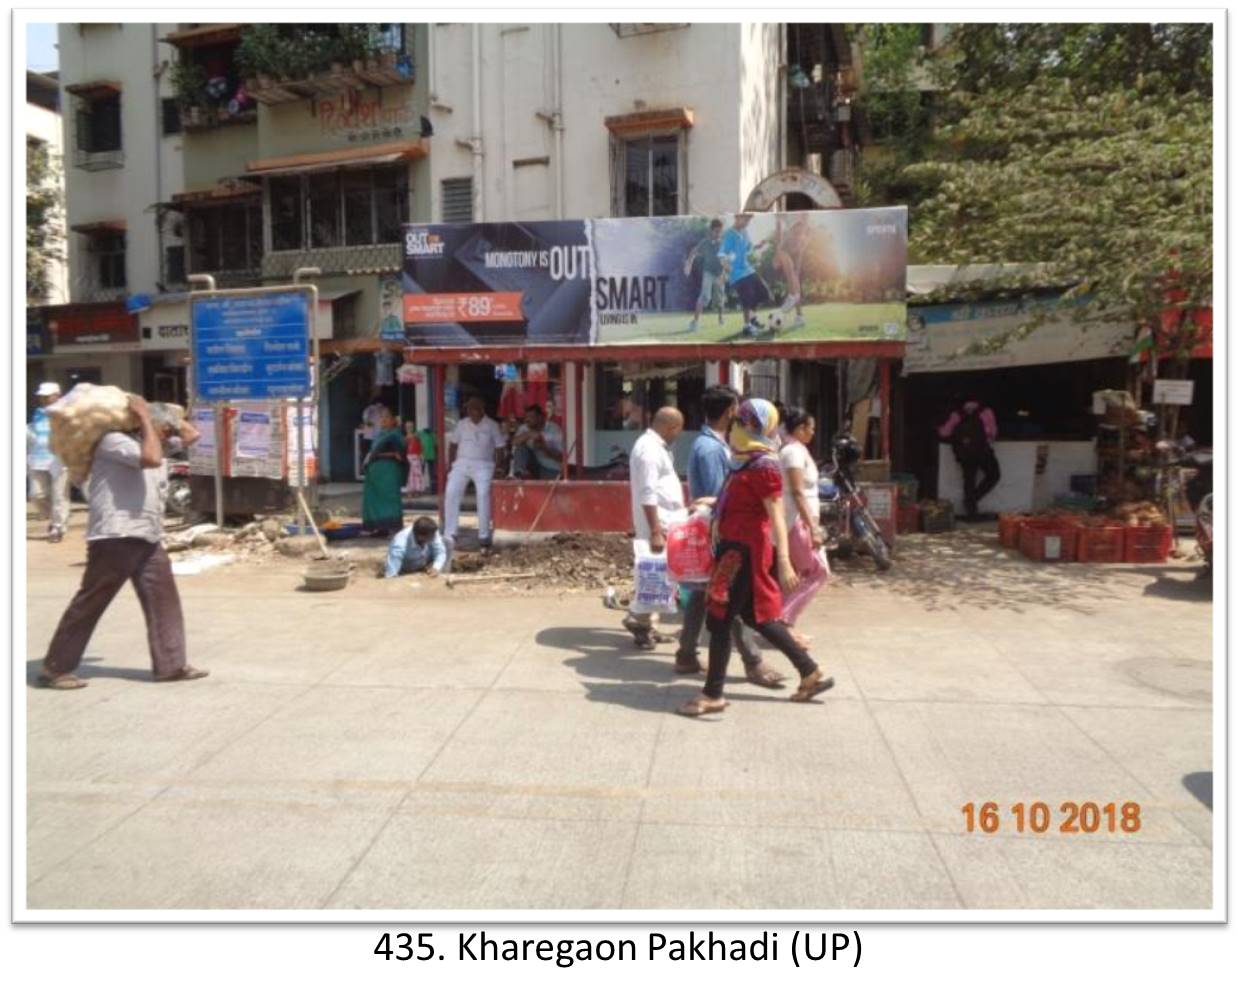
44, 215
1109, 192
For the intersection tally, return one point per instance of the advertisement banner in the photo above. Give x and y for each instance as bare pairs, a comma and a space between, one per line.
789, 277
988, 334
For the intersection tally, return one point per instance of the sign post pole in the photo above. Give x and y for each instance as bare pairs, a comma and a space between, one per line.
301, 272
252, 345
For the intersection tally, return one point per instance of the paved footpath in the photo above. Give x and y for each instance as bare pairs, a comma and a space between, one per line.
393, 746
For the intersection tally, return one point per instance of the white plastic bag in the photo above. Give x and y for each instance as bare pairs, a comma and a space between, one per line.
655, 592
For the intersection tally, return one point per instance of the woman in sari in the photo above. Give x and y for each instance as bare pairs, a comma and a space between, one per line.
381, 509
752, 541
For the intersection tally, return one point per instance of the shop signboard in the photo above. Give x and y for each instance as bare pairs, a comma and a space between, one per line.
984, 335
93, 328
252, 346
805, 276
1173, 392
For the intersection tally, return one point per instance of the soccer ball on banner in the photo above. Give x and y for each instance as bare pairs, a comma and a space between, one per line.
775, 321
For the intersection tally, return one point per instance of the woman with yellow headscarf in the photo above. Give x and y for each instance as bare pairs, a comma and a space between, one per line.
752, 543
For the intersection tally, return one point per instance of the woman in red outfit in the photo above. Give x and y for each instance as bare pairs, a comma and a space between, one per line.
752, 539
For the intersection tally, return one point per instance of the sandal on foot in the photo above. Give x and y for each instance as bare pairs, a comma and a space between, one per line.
660, 637
184, 674
687, 664
61, 682
766, 677
701, 706
811, 687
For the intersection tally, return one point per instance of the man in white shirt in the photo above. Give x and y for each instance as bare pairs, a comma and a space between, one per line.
48, 479
472, 449
657, 501
537, 447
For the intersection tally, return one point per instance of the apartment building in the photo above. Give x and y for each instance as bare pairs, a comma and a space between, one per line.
247, 151
122, 157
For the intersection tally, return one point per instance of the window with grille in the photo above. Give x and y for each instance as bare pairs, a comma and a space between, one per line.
174, 265
227, 238
646, 176
107, 253
98, 125
171, 116
355, 207
458, 199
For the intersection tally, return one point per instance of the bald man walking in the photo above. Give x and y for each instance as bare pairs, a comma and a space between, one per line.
657, 500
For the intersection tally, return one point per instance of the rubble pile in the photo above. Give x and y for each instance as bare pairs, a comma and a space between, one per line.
255, 541
565, 561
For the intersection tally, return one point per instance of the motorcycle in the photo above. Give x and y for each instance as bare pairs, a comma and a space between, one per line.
1187, 474
845, 518
179, 492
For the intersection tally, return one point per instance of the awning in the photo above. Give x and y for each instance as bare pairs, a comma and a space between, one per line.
644, 122
371, 155
232, 190
203, 35
116, 227
326, 297
95, 89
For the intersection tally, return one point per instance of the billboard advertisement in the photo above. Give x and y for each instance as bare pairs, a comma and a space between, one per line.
747, 278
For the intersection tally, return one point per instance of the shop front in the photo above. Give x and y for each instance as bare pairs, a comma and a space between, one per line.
94, 343
165, 349
1038, 383
600, 323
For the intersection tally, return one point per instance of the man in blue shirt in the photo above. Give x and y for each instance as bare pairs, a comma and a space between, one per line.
49, 482
747, 283
415, 549
708, 467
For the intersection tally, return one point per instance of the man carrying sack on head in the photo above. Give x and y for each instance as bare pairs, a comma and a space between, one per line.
127, 488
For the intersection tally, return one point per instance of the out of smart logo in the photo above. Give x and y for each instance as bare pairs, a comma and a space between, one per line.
423, 244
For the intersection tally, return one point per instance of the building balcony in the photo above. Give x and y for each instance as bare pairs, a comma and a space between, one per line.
94, 162
340, 260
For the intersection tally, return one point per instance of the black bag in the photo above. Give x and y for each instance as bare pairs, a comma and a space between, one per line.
969, 439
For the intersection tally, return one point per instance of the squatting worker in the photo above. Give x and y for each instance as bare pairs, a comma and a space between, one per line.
752, 546
657, 500
126, 492
49, 481
708, 468
416, 550
473, 447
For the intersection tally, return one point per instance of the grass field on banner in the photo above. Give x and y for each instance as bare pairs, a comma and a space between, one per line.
831, 321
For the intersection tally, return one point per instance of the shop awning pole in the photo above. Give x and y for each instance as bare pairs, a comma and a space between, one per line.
885, 410
580, 417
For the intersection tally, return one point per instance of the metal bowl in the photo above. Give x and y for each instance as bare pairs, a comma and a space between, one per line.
327, 576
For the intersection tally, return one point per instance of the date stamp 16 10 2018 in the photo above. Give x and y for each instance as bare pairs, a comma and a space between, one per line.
1066, 818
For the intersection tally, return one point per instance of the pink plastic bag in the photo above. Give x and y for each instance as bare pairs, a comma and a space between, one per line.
690, 550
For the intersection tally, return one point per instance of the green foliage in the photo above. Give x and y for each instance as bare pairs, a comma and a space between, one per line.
189, 82
1111, 191
44, 207
298, 51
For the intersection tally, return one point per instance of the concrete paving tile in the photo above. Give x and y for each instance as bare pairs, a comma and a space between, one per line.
883, 870
750, 868
181, 726
528, 801
953, 754
770, 762
1109, 672
548, 740
1168, 750
971, 674
422, 862
63, 818
189, 850
1044, 873
385, 735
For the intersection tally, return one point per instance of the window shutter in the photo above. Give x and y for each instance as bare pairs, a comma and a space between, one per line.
458, 200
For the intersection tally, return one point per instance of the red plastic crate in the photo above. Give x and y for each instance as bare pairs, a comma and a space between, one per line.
1101, 544
908, 519
1008, 527
1147, 544
1055, 542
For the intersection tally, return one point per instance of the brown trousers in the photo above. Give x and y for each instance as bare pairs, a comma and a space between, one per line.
109, 564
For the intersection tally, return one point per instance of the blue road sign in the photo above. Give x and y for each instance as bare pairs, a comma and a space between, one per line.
251, 347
